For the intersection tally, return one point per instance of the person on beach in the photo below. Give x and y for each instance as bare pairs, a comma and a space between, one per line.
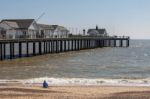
45, 84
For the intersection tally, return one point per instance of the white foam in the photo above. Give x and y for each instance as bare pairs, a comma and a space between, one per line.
88, 82
81, 82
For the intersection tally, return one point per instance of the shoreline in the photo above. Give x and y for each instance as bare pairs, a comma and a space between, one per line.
79, 82
74, 92
17, 89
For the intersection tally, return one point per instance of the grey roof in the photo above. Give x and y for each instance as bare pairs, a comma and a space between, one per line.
62, 28
52, 27
13, 25
22, 23
100, 31
46, 27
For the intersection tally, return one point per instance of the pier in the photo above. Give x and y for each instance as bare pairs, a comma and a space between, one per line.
17, 48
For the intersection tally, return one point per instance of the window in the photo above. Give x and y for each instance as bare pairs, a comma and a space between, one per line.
42, 33
3, 33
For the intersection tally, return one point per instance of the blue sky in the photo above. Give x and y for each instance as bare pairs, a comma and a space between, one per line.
120, 17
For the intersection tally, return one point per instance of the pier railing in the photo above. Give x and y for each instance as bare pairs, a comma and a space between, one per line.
17, 48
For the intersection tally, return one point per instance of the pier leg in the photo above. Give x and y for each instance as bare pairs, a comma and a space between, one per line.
103, 43
13, 50
40, 48
4, 49
64, 45
88, 44
68, 45
46, 50
99, 43
128, 43
95, 45
61, 46
75, 45
27, 49
34, 49
84, 44
57, 46
78, 44
72, 47
44, 47
92, 44
20, 49
10, 47
1, 52
114, 43
106, 43
49, 47
121, 43
109, 43
54, 46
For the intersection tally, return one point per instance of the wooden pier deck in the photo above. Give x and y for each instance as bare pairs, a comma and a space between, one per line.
17, 48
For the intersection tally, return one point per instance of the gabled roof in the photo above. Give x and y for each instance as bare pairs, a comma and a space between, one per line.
46, 27
99, 31
13, 25
62, 28
52, 27
22, 23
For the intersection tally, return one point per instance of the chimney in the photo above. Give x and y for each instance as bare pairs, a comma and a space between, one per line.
96, 27
84, 32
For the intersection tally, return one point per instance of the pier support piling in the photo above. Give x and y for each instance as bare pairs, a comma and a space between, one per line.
20, 49
13, 48
27, 49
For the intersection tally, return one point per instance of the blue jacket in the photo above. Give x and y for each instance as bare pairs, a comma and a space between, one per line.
45, 84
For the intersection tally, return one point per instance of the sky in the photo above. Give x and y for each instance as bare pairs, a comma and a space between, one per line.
119, 17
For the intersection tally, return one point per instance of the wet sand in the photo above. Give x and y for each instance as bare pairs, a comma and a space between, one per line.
74, 92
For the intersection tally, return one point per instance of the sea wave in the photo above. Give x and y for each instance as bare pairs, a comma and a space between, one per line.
82, 82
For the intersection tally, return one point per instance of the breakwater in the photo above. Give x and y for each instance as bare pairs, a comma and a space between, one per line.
17, 48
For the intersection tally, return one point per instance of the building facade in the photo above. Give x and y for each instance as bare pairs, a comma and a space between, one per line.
18, 28
97, 32
28, 28
52, 31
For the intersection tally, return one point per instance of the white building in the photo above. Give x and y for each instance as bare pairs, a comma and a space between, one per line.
52, 31
18, 28
97, 32
28, 28
2, 33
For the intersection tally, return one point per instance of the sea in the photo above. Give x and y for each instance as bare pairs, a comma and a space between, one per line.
127, 66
